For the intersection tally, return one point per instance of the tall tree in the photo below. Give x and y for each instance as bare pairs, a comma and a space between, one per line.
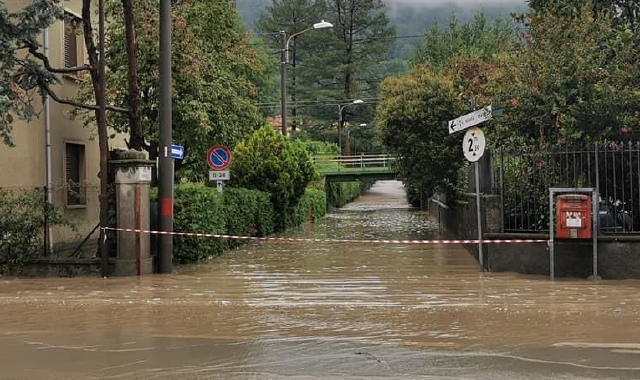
215, 72
24, 74
574, 78
621, 12
290, 17
338, 65
412, 117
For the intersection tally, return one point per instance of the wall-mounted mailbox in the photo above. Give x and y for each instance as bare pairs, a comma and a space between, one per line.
573, 215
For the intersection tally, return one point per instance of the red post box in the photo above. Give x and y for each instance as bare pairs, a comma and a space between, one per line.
573, 216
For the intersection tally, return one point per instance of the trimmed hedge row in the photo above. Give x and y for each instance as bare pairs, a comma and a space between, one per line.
341, 193
237, 211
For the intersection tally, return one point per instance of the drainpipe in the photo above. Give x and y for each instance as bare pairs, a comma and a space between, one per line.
48, 174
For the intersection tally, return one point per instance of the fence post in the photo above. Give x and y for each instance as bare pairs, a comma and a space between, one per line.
502, 188
597, 170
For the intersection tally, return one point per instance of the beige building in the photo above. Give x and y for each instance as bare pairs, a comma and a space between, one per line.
74, 153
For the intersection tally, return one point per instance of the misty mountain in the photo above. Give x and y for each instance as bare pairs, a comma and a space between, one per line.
412, 17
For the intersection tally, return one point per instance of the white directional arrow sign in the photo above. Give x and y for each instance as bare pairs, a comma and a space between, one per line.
471, 119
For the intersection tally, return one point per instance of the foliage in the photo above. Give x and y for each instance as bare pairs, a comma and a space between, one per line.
311, 207
197, 208
573, 79
269, 162
22, 216
200, 208
479, 40
621, 12
317, 148
20, 73
458, 64
341, 63
247, 213
341, 193
216, 75
416, 108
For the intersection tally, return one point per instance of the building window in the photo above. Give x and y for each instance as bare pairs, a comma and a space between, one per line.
71, 30
75, 174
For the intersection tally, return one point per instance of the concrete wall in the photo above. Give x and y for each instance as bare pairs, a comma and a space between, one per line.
618, 256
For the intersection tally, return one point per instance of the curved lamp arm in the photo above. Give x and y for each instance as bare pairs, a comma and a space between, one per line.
319, 25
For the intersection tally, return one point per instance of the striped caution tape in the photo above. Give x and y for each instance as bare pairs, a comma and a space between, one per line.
328, 240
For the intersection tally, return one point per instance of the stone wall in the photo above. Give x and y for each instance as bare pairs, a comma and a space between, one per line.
618, 256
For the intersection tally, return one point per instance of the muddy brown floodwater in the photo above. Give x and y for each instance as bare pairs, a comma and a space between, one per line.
324, 311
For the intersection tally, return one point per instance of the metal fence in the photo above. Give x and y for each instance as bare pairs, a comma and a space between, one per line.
522, 179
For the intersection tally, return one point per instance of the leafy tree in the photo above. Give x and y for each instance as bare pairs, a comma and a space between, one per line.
25, 70
415, 108
573, 79
341, 64
479, 39
216, 74
290, 16
621, 12
19, 73
269, 162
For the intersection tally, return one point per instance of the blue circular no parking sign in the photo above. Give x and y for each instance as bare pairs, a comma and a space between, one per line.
218, 157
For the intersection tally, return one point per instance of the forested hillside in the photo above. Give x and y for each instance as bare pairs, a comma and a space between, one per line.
410, 20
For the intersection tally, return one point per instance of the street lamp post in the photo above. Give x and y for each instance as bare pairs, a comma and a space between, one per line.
340, 120
284, 60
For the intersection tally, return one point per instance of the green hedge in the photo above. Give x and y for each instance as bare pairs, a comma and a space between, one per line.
237, 211
200, 208
197, 208
247, 213
312, 206
341, 193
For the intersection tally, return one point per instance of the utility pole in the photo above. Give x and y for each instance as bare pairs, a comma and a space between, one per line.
283, 82
104, 145
165, 168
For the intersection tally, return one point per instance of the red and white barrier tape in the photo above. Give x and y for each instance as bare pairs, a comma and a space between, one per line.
316, 240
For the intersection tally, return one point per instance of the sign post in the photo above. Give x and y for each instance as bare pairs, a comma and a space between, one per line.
219, 159
473, 145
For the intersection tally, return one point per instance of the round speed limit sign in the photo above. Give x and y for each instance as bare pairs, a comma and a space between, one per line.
473, 144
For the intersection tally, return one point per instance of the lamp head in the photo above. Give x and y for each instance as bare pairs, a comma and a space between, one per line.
322, 24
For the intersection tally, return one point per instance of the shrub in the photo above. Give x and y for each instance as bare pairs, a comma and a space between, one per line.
341, 193
269, 162
247, 213
22, 217
236, 211
197, 208
311, 207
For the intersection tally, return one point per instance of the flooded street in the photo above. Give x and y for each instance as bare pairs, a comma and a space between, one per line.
328, 310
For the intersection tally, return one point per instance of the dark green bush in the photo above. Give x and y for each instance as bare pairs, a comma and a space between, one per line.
311, 207
197, 208
21, 226
247, 213
341, 193
269, 162
200, 208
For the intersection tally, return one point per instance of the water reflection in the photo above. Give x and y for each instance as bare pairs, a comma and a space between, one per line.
324, 310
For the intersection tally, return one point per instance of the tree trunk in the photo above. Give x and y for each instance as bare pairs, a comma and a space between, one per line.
136, 137
97, 76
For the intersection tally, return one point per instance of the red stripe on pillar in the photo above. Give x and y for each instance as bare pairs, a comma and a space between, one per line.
166, 205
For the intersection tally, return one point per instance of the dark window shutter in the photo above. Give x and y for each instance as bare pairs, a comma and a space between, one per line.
73, 174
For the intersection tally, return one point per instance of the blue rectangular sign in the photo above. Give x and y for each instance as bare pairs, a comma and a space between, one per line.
177, 152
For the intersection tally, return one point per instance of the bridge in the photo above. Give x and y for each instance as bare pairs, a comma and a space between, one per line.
366, 167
